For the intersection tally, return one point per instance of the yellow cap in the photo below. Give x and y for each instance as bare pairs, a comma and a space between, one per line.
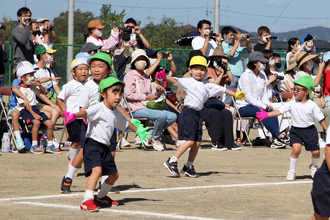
198, 60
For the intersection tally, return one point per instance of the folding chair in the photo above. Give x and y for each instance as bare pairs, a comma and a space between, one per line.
285, 95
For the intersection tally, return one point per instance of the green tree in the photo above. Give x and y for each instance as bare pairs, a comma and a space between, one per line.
9, 26
110, 19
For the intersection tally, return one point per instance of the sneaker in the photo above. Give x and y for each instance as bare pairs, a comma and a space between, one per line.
157, 144
218, 146
172, 167
137, 140
124, 143
53, 150
105, 201
168, 139
256, 126
56, 144
277, 144
313, 170
284, 138
35, 150
66, 184
179, 142
322, 143
89, 206
235, 147
147, 142
67, 144
19, 144
189, 171
291, 175
238, 140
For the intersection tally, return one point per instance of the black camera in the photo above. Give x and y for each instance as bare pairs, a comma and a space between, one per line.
165, 55
280, 77
273, 37
50, 28
245, 36
2, 26
126, 30
222, 65
212, 34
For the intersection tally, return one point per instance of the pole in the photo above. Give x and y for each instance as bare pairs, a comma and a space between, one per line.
216, 16
70, 40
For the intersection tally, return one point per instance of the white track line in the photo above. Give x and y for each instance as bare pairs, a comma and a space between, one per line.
159, 215
165, 189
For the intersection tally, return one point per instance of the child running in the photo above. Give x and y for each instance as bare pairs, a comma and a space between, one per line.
190, 123
103, 118
303, 112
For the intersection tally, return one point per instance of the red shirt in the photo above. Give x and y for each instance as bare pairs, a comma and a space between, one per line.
326, 82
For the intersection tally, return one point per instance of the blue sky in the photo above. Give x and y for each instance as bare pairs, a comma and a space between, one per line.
246, 14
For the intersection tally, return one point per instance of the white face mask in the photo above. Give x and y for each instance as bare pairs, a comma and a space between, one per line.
28, 83
298, 47
308, 49
310, 64
97, 33
41, 28
264, 39
271, 63
152, 61
261, 67
49, 59
141, 64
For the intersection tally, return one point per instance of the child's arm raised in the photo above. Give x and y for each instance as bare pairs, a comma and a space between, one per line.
237, 95
162, 75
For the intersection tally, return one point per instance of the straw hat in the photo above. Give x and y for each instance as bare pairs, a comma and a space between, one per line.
218, 53
303, 57
292, 64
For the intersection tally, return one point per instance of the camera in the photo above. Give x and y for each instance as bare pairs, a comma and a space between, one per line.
245, 36
165, 55
280, 77
127, 30
222, 65
273, 37
50, 28
2, 26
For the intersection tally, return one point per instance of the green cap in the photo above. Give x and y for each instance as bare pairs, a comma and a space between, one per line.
107, 82
308, 82
40, 49
101, 56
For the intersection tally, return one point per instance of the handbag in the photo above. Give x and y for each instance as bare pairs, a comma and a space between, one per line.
214, 103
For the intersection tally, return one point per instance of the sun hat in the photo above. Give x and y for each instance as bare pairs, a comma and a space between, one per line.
308, 82
108, 82
326, 56
89, 47
40, 49
95, 24
257, 56
139, 52
292, 64
101, 56
218, 53
198, 60
77, 62
83, 55
23, 70
303, 57
26, 63
42, 19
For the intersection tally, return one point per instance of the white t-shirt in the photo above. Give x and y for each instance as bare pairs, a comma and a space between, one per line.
198, 42
102, 122
302, 114
70, 94
287, 59
30, 93
198, 92
44, 73
89, 95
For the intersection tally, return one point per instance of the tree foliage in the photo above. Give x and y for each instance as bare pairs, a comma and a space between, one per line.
110, 19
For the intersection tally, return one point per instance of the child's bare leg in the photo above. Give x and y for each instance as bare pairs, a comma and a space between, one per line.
35, 129
79, 159
318, 217
316, 154
93, 178
193, 151
182, 148
296, 149
50, 129
14, 119
173, 132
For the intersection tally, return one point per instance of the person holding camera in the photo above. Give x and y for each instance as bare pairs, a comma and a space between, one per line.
142, 42
204, 42
265, 39
47, 32
22, 40
233, 50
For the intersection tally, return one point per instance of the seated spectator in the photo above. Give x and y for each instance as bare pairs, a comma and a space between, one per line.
94, 35
138, 89
290, 73
275, 65
264, 40
90, 48
142, 42
253, 83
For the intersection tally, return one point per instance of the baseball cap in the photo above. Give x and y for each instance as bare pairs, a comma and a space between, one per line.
326, 56
151, 52
23, 70
308, 82
101, 56
95, 24
192, 54
108, 82
77, 62
48, 49
89, 47
257, 56
40, 49
42, 19
198, 60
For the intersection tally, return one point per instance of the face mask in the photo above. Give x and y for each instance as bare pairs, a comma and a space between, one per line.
97, 33
28, 82
298, 47
49, 59
41, 28
141, 64
271, 62
264, 39
278, 65
152, 61
261, 67
228, 41
308, 49
23, 21
35, 33
310, 64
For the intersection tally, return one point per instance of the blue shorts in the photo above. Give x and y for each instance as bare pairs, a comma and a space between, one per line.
307, 136
190, 125
28, 118
98, 155
74, 130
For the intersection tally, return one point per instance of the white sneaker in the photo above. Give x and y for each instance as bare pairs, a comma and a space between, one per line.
157, 144
179, 142
291, 175
137, 140
313, 170
124, 143
322, 143
277, 144
55, 143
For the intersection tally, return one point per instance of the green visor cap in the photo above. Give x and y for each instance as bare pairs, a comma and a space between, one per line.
101, 56
308, 82
109, 81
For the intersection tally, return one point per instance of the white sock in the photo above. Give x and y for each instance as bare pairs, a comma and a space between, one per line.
72, 170
17, 134
73, 153
105, 188
89, 194
34, 143
103, 179
49, 143
189, 163
315, 161
293, 163
173, 159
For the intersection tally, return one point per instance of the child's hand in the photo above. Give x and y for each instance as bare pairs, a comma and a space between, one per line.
143, 134
240, 95
136, 123
161, 74
37, 117
262, 115
84, 120
66, 113
70, 118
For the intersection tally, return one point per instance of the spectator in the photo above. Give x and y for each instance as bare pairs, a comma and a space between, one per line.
90, 48
309, 46
253, 83
290, 73
142, 42
294, 48
48, 35
275, 65
3, 55
264, 40
203, 42
22, 40
233, 51
94, 35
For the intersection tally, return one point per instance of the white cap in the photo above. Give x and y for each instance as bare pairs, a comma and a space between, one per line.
42, 19
23, 70
78, 61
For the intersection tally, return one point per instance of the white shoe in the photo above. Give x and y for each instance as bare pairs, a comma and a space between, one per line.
157, 144
277, 144
322, 143
291, 175
179, 142
124, 143
137, 140
313, 170
55, 143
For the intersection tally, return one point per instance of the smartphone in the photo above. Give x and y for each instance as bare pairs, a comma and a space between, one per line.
133, 37
309, 44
